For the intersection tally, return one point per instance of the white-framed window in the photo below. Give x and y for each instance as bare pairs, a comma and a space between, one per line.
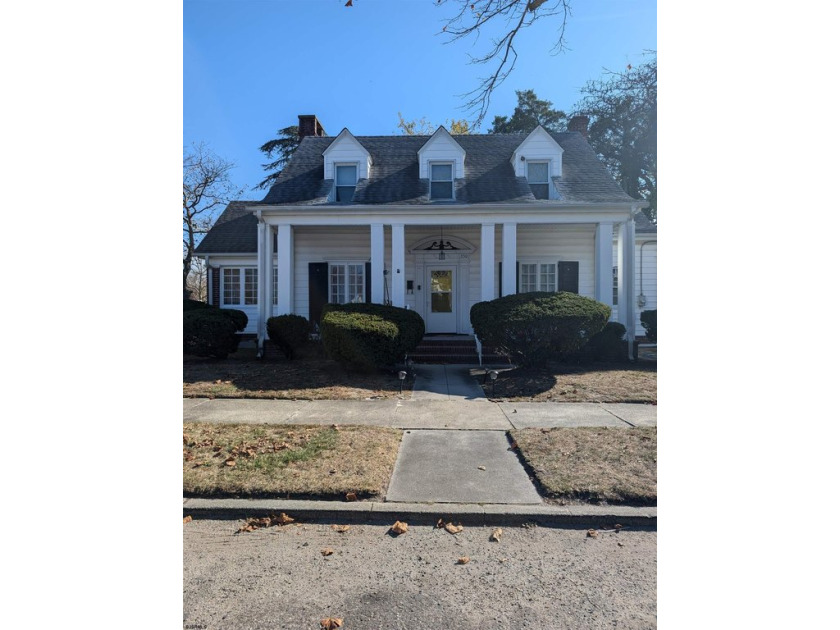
240, 286
615, 286
538, 178
274, 287
442, 185
537, 276
347, 283
346, 176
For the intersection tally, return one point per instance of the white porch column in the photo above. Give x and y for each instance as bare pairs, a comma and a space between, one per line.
508, 258
285, 269
488, 255
626, 284
261, 310
398, 265
603, 263
377, 263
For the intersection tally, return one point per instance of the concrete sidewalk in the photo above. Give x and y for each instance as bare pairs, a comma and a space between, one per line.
420, 414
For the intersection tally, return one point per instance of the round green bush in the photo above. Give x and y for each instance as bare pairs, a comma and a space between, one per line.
212, 331
532, 328
609, 344
410, 325
288, 332
648, 319
360, 341
192, 305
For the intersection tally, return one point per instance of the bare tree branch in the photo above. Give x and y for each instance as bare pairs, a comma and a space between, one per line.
514, 15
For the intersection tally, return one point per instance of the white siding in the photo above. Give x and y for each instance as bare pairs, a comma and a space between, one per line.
645, 275
538, 146
441, 148
346, 150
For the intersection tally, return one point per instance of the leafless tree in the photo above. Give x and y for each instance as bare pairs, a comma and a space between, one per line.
196, 287
510, 17
207, 189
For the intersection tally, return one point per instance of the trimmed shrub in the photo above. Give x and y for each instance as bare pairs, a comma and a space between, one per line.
288, 332
212, 331
368, 336
609, 344
192, 305
649, 323
532, 328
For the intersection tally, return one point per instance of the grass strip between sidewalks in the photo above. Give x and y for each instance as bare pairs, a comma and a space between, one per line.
611, 464
312, 462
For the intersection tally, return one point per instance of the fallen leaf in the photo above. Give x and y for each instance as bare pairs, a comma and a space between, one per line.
351, 496
621, 544
440, 523
340, 528
252, 524
496, 535
330, 623
617, 527
453, 529
399, 528
592, 534
230, 461
482, 468
187, 519
463, 559
327, 551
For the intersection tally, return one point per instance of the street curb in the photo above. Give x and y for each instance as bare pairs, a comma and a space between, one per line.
570, 516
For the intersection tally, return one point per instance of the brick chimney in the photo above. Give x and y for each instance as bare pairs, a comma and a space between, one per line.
309, 125
579, 123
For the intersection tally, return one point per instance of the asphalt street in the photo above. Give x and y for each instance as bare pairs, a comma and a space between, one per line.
533, 577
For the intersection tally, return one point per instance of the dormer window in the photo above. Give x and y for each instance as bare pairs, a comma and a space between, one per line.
442, 185
538, 178
345, 182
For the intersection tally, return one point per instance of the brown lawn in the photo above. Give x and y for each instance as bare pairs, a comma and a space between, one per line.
611, 464
596, 382
311, 377
288, 461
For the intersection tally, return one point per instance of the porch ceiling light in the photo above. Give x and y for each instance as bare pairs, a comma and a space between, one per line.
441, 246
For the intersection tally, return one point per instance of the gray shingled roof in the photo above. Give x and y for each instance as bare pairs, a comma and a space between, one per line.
489, 178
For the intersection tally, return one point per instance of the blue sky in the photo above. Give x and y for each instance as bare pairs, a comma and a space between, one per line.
250, 67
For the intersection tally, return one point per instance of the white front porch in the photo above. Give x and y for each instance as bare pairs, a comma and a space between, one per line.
481, 258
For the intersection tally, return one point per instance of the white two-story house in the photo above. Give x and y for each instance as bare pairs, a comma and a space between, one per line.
435, 224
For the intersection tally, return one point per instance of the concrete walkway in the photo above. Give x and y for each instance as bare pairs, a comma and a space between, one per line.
420, 414
446, 382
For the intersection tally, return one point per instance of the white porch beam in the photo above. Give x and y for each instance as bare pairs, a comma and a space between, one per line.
285, 269
488, 255
626, 284
508, 258
261, 258
377, 263
398, 265
603, 263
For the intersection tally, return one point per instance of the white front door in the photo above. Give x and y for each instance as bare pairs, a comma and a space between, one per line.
441, 300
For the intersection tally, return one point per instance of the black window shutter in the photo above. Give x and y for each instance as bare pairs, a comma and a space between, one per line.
500, 278
517, 276
318, 289
567, 276
367, 282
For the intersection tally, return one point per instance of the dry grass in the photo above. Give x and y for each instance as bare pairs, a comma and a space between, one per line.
288, 461
610, 464
310, 378
598, 382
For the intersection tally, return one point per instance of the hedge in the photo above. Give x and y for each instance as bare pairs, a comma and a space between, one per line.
211, 331
288, 332
532, 328
607, 345
368, 336
649, 323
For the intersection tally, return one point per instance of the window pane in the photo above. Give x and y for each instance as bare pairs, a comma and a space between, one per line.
537, 172
441, 172
250, 286
615, 286
356, 283
336, 284
548, 274
345, 175
274, 298
441, 190
528, 279
344, 194
230, 280
540, 191
441, 302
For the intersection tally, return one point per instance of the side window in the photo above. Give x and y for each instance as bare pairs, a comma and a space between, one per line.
442, 185
231, 286
345, 183
347, 283
538, 179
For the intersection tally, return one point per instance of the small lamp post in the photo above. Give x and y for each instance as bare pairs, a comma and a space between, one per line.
401, 374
